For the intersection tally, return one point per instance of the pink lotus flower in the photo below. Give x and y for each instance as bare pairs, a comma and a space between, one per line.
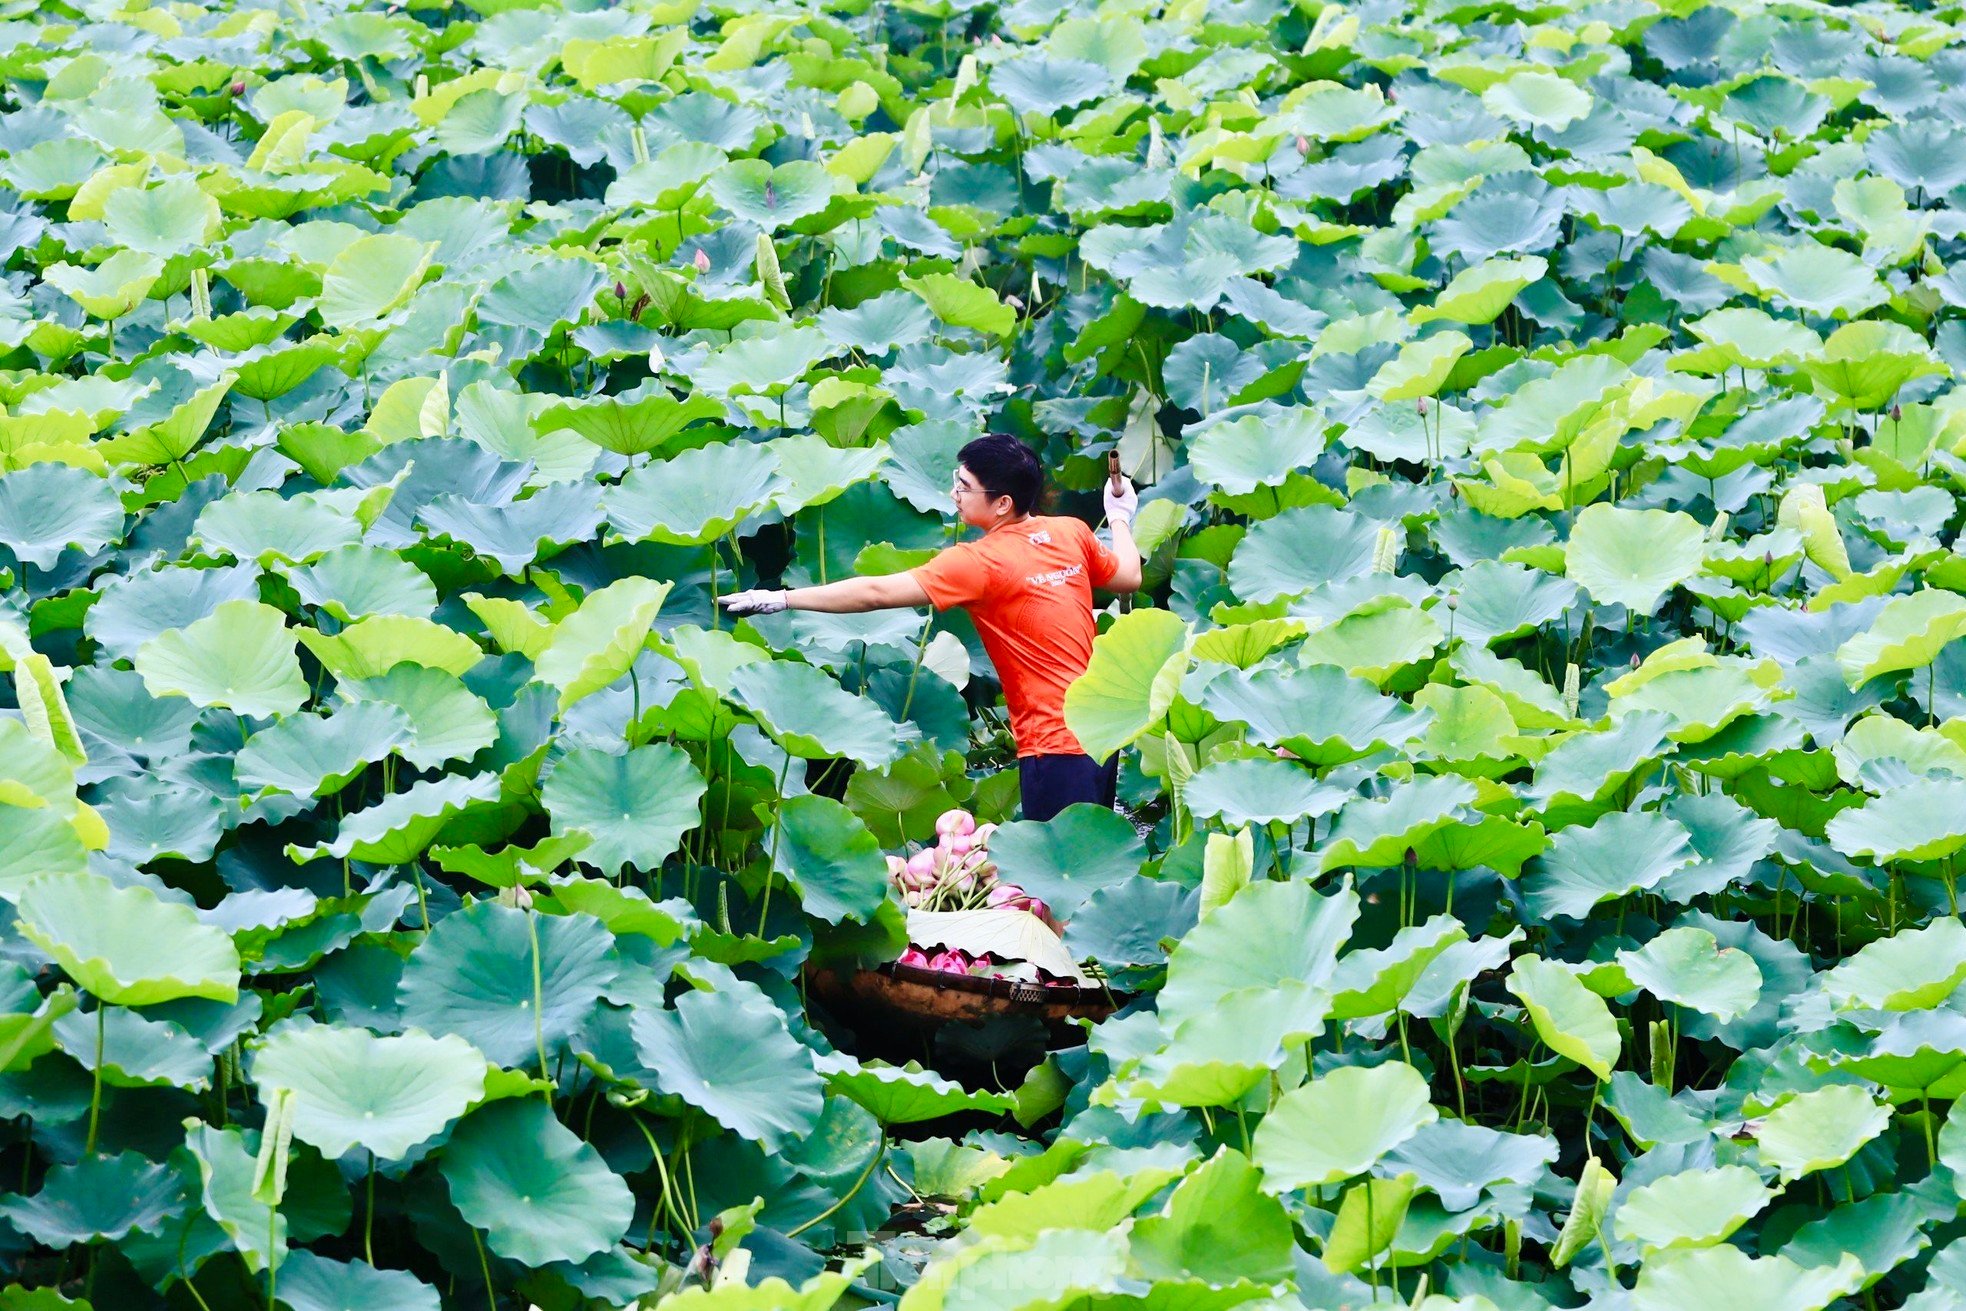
702, 261
922, 862
955, 824
950, 962
915, 957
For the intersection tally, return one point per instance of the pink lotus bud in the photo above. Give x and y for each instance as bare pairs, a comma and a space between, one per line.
1422, 406
620, 291
702, 261
982, 834
1897, 413
955, 824
237, 88
959, 846
1304, 146
950, 962
1037, 907
922, 862
914, 956
896, 866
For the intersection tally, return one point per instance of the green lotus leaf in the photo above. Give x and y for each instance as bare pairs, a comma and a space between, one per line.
266, 526
1373, 981
1922, 820
1460, 1161
730, 1054
516, 534
1623, 852
1240, 450
1534, 99
1377, 833
819, 1293
172, 217
1300, 549
113, 288
176, 435
136, 1052
315, 1283
1633, 557
1375, 641
636, 806
241, 656
1739, 338
1587, 1211
511, 866
597, 644
1421, 367
1369, 1221
1819, 1129
826, 853
1261, 792
537, 1190
1816, 278
1321, 715
1908, 633
1727, 1276
696, 497
371, 277
1907, 971
447, 721
1687, 967
1217, 1225
46, 509
352, 1088
1863, 365
125, 945
354, 582
771, 196
370, 648
97, 1197
1478, 294
762, 365
816, 472
812, 717
1266, 935
1129, 683
1043, 84
1340, 1125
473, 976
1695, 1208
904, 1094
396, 829
1571, 1020
961, 303
1065, 859
631, 424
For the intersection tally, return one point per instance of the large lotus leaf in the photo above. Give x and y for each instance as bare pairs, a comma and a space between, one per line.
1320, 714
1908, 633
1727, 1276
1340, 1125
1370, 1218
315, 1283
353, 1089
1300, 549
811, 716
1378, 833
512, 535
370, 648
267, 526
1460, 1161
1261, 792
597, 644
1497, 601
1217, 1225
1130, 682
815, 472
1067, 858
1921, 820
371, 276
904, 1094
46, 509
696, 497
1420, 369
447, 720
963, 304
1537, 99
112, 288
96, 1197
396, 829
1216, 1058
240, 656
730, 1054
473, 976
1571, 1020
1695, 1208
313, 755
1478, 294
1242, 449
636, 806
1687, 967
1267, 935
1819, 1129
632, 423
538, 1191
1633, 557
126, 945
1376, 641
1863, 365
1374, 980
352, 582
1908, 971
1741, 338
1589, 767
1816, 278
772, 197
830, 857
1623, 852
136, 1052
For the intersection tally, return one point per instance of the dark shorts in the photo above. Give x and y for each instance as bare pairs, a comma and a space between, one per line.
1051, 783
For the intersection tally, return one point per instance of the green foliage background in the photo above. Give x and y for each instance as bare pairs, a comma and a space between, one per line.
1545, 713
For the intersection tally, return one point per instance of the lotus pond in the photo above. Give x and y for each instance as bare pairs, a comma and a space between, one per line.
1543, 729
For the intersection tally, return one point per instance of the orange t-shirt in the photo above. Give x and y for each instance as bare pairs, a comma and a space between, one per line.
1028, 588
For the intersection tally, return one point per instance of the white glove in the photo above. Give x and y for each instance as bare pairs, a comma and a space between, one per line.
761, 602
1120, 505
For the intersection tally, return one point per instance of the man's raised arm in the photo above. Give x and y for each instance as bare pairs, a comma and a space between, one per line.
848, 596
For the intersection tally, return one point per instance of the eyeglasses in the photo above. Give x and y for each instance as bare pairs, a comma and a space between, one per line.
957, 489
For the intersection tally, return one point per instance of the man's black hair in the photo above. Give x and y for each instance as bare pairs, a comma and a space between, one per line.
1005, 467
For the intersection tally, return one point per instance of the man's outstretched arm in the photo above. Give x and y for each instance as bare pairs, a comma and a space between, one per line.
848, 596
1120, 509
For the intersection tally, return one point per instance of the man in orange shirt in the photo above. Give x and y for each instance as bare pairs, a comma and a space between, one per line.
1027, 583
